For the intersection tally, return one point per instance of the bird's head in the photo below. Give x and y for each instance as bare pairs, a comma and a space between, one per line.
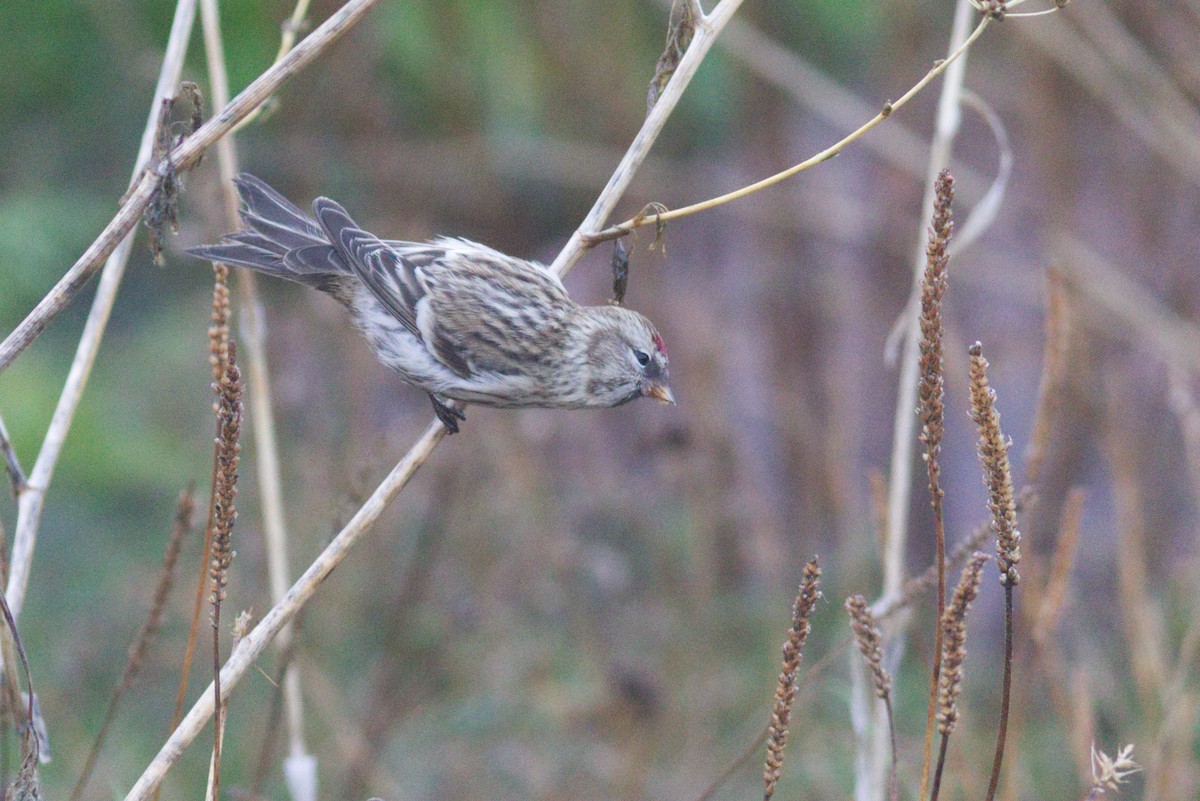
625, 358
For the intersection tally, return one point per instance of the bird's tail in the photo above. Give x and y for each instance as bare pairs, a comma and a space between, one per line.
277, 239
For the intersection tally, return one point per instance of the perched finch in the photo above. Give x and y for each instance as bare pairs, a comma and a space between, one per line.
455, 318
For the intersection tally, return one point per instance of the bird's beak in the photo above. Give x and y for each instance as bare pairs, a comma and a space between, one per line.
660, 392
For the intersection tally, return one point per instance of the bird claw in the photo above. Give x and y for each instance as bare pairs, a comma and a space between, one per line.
447, 414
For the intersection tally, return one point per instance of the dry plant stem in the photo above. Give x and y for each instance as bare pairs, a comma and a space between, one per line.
954, 626
253, 336
146, 635
931, 409
833, 103
624, 228
15, 474
1055, 353
870, 645
785, 691
1005, 693
706, 33
282, 613
993, 454
904, 421
12, 642
218, 356
116, 247
182, 158
224, 491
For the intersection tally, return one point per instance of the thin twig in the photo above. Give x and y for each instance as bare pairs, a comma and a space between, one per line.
15, 474
181, 159
621, 229
302, 590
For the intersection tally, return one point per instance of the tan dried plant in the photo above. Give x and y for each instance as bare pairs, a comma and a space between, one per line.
785, 690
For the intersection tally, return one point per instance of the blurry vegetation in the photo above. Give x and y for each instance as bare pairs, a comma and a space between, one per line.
590, 605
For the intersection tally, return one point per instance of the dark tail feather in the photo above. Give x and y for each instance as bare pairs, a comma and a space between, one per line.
277, 239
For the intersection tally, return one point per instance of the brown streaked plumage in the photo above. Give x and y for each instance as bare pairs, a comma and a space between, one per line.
458, 319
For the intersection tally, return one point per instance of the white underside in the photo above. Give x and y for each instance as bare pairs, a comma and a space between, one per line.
402, 351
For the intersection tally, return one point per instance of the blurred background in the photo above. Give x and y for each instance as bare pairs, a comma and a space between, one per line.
590, 604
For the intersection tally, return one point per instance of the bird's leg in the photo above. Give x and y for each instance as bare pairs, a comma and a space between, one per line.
620, 268
447, 413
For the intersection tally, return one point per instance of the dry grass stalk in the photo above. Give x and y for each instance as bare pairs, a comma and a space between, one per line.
870, 644
184, 514
1109, 773
1054, 590
785, 690
954, 629
997, 476
931, 411
218, 360
261, 412
954, 652
229, 416
15, 474
997, 473
879, 507
26, 784
1141, 616
1055, 358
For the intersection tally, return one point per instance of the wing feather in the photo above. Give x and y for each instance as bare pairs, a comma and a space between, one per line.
476, 310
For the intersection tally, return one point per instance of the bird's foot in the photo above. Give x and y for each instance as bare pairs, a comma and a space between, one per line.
448, 414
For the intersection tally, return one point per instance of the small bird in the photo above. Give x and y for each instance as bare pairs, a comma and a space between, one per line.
455, 318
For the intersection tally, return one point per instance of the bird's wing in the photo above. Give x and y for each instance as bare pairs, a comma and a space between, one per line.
487, 312
380, 268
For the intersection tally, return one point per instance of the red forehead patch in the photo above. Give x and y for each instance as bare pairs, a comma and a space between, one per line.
658, 343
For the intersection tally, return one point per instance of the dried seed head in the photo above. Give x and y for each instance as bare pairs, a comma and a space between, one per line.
954, 640
229, 418
866, 634
218, 331
785, 690
930, 393
1109, 773
997, 474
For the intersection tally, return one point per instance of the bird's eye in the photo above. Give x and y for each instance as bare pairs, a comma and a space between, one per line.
642, 357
